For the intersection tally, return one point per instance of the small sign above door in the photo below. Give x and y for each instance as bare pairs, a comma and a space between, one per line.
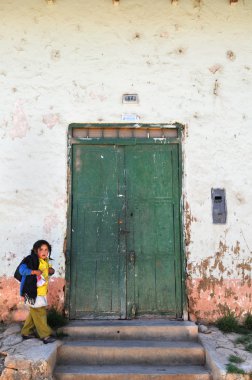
130, 117
130, 98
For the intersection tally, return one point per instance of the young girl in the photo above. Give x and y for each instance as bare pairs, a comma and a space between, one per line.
35, 270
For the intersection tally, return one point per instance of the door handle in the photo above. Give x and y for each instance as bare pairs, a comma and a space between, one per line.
132, 257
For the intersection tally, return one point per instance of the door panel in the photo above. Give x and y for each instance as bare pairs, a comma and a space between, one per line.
125, 258
151, 280
97, 265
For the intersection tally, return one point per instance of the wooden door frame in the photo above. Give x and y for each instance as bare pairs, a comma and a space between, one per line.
121, 141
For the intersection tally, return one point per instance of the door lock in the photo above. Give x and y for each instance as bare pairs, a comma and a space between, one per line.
132, 257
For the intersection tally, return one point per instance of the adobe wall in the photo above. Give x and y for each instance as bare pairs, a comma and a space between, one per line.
71, 61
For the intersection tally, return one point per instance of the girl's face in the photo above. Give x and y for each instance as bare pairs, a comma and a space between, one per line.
43, 251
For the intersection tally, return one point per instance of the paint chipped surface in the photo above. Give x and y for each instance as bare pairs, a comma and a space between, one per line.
216, 68
210, 298
189, 219
220, 282
186, 63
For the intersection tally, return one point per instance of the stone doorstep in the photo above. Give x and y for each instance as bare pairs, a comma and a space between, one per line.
33, 359
215, 361
27, 359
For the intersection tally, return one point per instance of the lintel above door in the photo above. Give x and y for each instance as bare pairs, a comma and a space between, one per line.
131, 132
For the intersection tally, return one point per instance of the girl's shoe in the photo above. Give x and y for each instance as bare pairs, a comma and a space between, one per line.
48, 339
30, 336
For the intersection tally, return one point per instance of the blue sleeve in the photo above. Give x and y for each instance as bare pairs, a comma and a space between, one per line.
24, 270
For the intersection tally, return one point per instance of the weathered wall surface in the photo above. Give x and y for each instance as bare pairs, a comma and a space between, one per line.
71, 62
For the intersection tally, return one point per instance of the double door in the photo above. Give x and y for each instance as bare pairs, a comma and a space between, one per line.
125, 239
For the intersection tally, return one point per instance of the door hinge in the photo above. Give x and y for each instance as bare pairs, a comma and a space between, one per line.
133, 311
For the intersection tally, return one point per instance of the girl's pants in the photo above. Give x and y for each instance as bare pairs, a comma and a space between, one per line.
37, 319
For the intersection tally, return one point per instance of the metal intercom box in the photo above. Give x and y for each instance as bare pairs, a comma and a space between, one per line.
219, 207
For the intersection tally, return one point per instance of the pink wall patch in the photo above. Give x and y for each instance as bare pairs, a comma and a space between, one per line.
50, 120
12, 307
49, 222
20, 123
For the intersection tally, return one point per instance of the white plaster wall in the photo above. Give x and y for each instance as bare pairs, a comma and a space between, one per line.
72, 61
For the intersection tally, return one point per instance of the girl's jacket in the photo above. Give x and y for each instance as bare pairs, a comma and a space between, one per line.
28, 285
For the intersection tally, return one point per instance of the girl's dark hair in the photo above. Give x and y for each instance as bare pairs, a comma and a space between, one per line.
38, 244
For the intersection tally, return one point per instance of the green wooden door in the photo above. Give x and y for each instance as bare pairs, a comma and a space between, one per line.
154, 264
125, 256
97, 263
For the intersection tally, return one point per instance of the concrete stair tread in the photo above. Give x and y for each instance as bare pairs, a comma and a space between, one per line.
132, 329
132, 343
130, 369
125, 352
134, 322
135, 372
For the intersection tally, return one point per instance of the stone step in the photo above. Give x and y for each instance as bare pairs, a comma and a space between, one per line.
132, 372
135, 329
114, 352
